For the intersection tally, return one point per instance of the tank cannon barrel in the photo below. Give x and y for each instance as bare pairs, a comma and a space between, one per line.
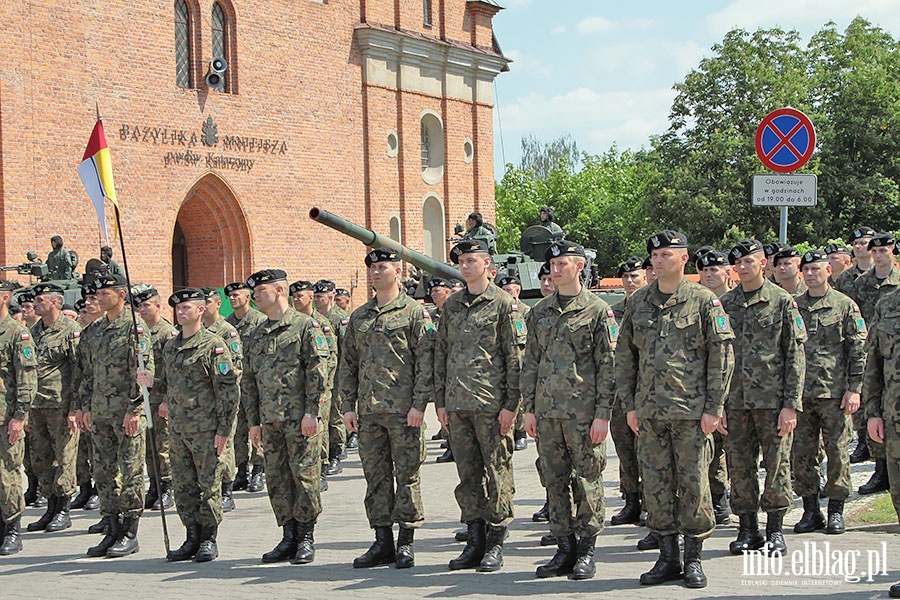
373, 240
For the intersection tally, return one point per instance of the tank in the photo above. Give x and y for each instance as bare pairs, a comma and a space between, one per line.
37, 270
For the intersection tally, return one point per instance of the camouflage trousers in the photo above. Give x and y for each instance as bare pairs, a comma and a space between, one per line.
293, 469
749, 432
83, 464
196, 478
626, 449
336, 434
876, 450
391, 451
244, 451
119, 467
229, 462
570, 460
12, 502
822, 417
161, 440
675, 457
718, 471
892, 452
54, 450
484, 463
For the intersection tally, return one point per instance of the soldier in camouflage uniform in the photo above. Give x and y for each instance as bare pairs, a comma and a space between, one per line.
284, 381
512, 286
245, 319
835, 360
673, 366
385, 384
770, 250
787, 271
88, 315
568, 388
114, 412
200, 386
342, 299
765, 396
440, 289
839, 257
18, 382
336, 440
862, 257
216, 323
52, 425
149, 306
546, 280
478, 354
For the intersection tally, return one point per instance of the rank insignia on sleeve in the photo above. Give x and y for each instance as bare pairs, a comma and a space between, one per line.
722, 323
27, 352
220, 350
224, 368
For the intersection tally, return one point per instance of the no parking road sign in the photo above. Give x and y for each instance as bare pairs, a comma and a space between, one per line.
785, 140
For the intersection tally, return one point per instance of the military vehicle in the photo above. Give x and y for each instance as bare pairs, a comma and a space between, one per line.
39, 272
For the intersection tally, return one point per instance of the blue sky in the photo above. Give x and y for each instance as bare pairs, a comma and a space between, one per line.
603, 71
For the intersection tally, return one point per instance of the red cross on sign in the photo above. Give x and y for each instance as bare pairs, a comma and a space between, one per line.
785, 140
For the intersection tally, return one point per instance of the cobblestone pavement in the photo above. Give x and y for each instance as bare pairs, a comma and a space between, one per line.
54, 565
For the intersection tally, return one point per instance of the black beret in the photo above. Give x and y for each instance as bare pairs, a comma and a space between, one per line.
508, 280
647, 264
301, 286
860, 232
813, 256
144, 295
744, 248
111, 280
341, 292
266, 276
210, 292
66, 306
563, 248
667, 239
47, 288
772, 248
698, 254
382, 255
838, 249
713, 259
6, 285
88, 289
544, 270
635, 263
26, 296
786, 252
324, 285
879, 239
237, 285
79, 305
186, 294
439, 282
467, 247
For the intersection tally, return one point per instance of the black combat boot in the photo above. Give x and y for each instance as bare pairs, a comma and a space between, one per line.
894, 592
861, 452
668, 565
563, 561
189, 548
208, 549
127, 543
774, 535
521, 440
461, 536
548, 539
543, 514
12, 541
474, 551
101, 526
306, 552
353, 440
242, 478
257, 479
323, 484
446, 457
835, 517
380, 553
812, 518
31, 493
41, 524
152, 495
406, 558
93, 502
61, 519
493, 553
166, 498
584, 558
113, 524
84, 494
648, 542
287, 547
748, 537
227, 497
41, 500
878, 482
721, 508
334, 466
342, 452
630, 513
694, 577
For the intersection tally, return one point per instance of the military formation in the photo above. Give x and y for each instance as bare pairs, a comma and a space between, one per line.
774, 360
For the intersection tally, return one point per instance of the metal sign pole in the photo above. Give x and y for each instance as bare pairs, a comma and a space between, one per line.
782, 227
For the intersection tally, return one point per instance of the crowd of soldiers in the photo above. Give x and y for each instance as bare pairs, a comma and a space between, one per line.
694, 381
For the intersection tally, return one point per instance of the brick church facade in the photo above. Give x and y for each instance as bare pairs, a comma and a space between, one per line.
377, 110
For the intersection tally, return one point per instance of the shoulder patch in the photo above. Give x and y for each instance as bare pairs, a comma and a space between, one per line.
27, 352
76, 334
224, 368
140, 329
345, 321
315, 324
717, 302
425, 314
174, 333
232, 334
220, 350
800, 324
515, 307
855, 307
326, 329
610, 313
794, 302
26, 336
722, 324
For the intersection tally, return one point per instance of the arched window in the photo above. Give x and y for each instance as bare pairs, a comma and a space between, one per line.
395, 228
433, 228
220, 42
432, 148
183, 53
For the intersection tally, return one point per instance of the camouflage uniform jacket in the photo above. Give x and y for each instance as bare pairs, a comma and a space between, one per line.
55, 346
674, 360
868, 289
387, 360
160, 334
569, 368
881, 385
229, 333
247, 325
769, 361
619, 310
835, 347
286, 370
801, 289
847, 279
478, 352
330, 332
199, 384
108, 387
18, 370
85, 351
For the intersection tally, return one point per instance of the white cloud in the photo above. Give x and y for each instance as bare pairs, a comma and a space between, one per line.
590, 25
529, 64
806, 16
558, 30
